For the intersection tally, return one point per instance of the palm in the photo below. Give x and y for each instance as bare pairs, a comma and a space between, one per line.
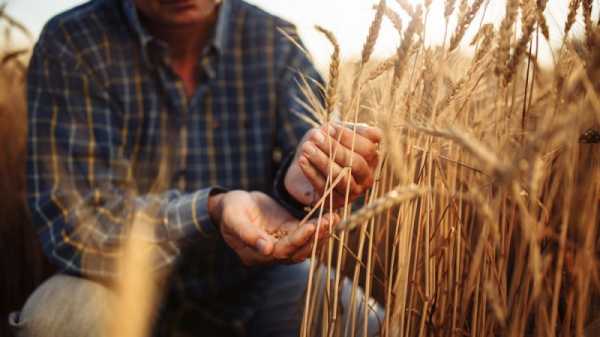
271, 217
249, 218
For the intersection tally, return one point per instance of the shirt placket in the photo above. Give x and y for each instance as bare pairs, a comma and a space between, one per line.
176, 129
180, 109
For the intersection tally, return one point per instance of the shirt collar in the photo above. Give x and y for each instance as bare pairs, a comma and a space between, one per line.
219, 40
223, 25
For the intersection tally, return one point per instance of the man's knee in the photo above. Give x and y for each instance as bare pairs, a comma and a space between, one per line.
64, 306
282, 305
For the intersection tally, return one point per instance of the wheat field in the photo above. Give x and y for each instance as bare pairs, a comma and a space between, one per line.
484, 217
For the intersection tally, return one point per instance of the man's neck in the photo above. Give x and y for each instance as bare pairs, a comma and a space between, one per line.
185, 42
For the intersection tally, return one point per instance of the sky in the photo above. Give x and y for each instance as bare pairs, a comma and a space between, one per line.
348, 19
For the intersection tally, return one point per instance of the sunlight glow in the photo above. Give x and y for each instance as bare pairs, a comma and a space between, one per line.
348, 19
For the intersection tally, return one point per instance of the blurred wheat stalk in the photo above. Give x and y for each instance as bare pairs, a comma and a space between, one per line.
484, 216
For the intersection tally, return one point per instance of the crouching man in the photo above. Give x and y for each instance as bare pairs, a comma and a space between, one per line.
177, 110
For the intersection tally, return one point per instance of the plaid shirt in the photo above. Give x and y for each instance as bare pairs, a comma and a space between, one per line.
112, 136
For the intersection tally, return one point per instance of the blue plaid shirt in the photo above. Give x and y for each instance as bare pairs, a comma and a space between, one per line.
112, 136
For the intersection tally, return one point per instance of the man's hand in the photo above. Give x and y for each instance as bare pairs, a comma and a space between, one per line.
262, 232
306, 177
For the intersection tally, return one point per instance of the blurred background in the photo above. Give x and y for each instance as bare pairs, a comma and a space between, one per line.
348, 19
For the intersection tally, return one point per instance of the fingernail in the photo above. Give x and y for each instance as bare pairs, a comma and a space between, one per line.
263, 246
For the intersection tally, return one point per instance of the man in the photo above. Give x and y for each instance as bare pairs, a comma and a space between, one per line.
176, 109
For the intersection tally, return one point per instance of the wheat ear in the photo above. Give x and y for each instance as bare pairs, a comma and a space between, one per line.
449, 8
463, 23
586, 5
541, 19
504, 37
334, 72
374, 29
393, 198
394, 18
414, 27
529, 19
573, 5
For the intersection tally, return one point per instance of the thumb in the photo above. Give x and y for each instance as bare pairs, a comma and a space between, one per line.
254, 236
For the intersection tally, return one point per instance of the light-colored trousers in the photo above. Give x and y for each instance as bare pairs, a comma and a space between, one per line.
68, 306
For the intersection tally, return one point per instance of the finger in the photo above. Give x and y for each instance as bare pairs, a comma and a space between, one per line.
338, 199
324, 228
295, 240
329, 220
373, 134
361, 145
344, 157
306, 251
326, 166
325, 224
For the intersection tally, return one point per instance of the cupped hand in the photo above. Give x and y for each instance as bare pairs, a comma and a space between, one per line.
328, 150
260, 231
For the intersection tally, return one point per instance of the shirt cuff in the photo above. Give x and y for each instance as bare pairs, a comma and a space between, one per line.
280, 193
187, 217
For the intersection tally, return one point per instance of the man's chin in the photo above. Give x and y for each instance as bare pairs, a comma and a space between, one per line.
184, 19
